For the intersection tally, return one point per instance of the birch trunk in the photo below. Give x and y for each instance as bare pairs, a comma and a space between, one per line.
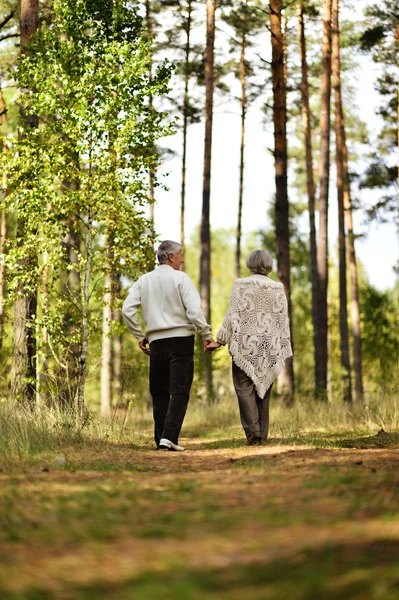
339, 136
311, 188
322, 248
106, 364
84, 347
23, 376
3, 222
286, 379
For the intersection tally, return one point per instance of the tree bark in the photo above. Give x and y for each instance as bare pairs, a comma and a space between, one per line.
286, 380
3, 223
106, 358
23, 384
85, 332
151, 172
243, 82
339, 136
322, 248
205, 259
117, 341
311, 187
185, 121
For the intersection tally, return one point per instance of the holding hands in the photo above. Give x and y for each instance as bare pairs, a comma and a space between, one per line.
210, 346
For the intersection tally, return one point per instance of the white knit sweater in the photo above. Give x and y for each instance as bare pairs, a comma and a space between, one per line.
256, 328
170, 303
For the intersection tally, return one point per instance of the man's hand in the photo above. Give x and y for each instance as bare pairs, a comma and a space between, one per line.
212, 346
144, 347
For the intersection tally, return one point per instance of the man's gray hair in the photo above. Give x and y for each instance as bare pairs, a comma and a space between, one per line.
260, 262
165, 249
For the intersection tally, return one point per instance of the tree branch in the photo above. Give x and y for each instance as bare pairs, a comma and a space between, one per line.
10, 35
8, 18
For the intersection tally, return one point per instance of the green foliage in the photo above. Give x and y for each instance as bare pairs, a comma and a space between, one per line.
82, 172
381, 38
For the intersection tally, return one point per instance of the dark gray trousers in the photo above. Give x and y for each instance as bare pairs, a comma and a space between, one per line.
254, 411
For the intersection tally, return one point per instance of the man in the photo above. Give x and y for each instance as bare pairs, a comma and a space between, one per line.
172, 313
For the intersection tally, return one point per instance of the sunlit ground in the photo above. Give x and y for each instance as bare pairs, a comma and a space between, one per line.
98, 513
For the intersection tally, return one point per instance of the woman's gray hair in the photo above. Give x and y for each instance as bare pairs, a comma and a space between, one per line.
165, 249
260, 262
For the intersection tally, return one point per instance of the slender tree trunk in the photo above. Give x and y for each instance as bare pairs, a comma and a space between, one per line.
311, 187
286, 380
151, 173
322, 248
339, 136
243, 81
397, 272
205, 259
355, 309
106, 358
3, 222
42, 335
117, 340
85, 332
186, 102
23, 374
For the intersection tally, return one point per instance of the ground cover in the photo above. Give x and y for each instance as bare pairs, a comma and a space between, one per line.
308, 516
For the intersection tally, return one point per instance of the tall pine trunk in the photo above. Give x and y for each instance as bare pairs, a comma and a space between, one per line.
205, 259
151, 172
3, 222
322, 247
186, 107
243, 82
339, 136
286, 379
23, 382
311, 187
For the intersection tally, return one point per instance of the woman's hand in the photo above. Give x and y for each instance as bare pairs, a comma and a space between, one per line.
212, 346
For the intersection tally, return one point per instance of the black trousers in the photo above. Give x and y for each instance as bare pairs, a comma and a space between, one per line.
171, 376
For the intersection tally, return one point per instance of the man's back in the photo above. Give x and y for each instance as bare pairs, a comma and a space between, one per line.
171, 305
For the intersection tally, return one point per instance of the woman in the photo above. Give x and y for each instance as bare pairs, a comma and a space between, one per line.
256, 328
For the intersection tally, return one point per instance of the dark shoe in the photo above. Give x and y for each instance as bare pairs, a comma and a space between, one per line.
254, 439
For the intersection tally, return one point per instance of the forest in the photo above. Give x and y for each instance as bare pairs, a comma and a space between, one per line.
99, 100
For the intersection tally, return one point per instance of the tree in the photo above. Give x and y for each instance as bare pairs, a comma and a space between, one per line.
205, 258
381, 37
324, 177
286, 379
311, 186
97, 111
3, 222
24, 341
246, 22
340, 153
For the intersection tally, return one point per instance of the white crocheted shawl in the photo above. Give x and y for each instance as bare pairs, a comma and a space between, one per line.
256, 328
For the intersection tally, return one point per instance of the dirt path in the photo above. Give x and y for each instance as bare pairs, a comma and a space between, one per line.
133, 521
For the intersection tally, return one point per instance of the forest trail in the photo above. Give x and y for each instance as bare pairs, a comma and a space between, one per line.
212, 522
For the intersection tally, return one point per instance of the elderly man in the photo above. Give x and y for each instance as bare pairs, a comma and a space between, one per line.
172, 313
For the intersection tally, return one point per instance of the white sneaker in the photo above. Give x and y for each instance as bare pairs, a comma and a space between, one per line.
165, 444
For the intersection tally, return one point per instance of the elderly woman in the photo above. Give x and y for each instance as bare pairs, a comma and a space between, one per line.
256, 328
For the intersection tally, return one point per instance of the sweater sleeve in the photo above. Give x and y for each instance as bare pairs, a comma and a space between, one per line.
192, 303
224, 334
129, 311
